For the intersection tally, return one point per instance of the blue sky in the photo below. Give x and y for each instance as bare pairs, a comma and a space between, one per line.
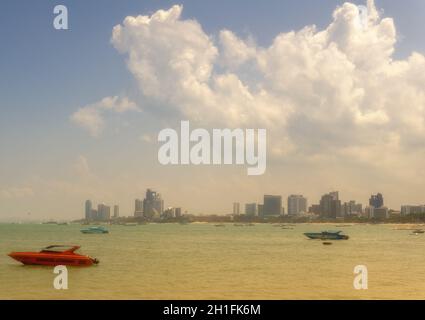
46, 74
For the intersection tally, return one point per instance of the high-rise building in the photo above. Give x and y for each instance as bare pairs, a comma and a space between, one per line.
138, 208
168, 213
178, 212
260, 210
330, 205
409, 209
315, 208
251, 209
376, 201
236, 208
296, 204
272, 205
351, 208
379, 213
335, 194
94, 214
88, 210
103, 212
153, 205
116, 211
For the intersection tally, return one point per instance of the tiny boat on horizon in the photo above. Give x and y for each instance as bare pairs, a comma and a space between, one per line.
95, 230
326, 235
53, 256
130, 224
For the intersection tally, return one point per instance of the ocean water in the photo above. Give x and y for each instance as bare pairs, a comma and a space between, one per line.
201, 261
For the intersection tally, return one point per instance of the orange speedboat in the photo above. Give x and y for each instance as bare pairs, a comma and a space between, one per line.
54, 256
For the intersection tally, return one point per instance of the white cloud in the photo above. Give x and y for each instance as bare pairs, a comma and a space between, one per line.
91, 117
316, 91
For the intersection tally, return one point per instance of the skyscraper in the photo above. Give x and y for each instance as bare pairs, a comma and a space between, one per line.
94, 215
236, 208
272, 205
296, 204
351, 208
88, 211
116, 211
153, 205
103, 212
330, 205
260, 210
376, 201
251, 209
138, 208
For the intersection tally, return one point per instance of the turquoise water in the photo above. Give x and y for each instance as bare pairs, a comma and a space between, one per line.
201, 261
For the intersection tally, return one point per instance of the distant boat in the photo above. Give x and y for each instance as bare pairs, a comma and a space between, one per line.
418, 231
326, 235
54, 256
95, 230
49, 222
219, 225
327, 243
130, 224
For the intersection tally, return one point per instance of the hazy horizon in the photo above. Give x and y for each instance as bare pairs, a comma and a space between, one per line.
343, 105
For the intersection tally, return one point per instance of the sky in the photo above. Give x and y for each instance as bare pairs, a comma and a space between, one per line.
81, 109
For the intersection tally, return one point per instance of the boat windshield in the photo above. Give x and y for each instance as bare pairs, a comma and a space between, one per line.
59, 248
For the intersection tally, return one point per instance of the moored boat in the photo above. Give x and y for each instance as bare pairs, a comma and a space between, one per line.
94, 230
53, 256
326, 235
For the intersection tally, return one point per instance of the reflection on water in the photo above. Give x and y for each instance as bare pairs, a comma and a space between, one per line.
200, 261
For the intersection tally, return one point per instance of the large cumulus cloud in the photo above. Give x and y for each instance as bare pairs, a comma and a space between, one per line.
335, 89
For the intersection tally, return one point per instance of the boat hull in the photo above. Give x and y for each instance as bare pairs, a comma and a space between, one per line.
94, 232
326, 236
33, 258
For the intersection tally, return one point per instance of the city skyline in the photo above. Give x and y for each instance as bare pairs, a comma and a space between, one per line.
342, 102
329, 206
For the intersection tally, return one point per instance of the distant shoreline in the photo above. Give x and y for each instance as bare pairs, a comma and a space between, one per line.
131, 221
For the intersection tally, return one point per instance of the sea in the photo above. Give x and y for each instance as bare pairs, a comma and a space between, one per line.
203, 261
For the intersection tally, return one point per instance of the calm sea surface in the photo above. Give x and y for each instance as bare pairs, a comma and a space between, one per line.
201, 261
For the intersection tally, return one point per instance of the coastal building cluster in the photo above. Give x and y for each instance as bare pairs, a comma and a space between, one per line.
151, 207
102, 213
329, 207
